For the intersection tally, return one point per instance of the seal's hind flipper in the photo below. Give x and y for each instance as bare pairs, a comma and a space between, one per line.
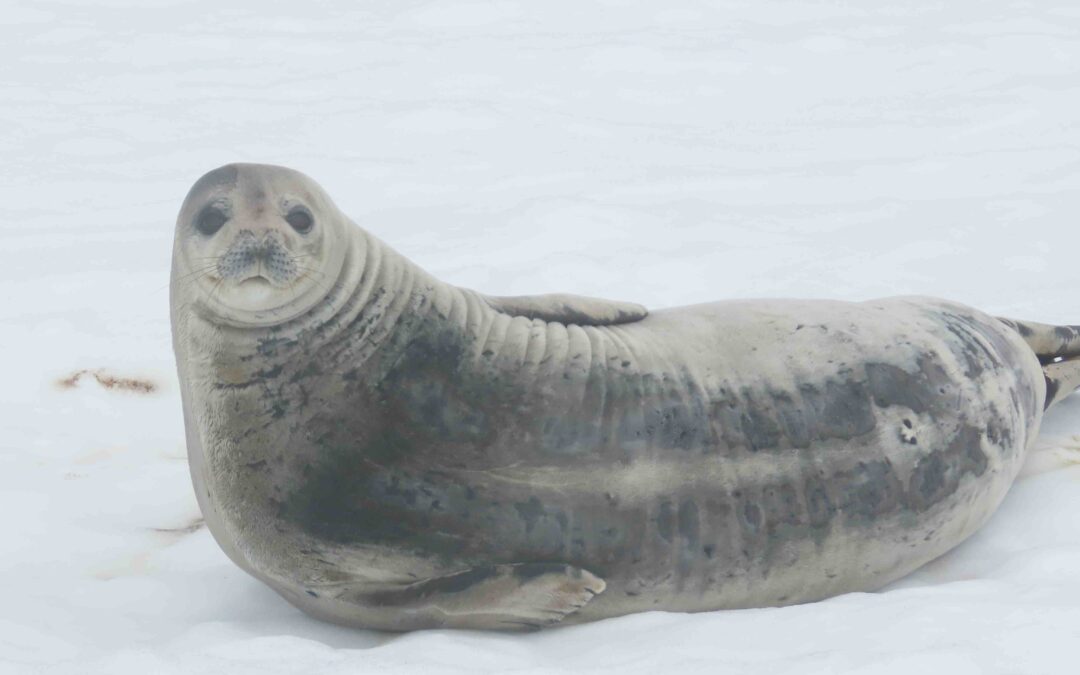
526, 596
1062, 379
1050, 343
569, 309
1058, 349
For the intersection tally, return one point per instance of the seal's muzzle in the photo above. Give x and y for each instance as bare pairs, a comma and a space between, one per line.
251, 256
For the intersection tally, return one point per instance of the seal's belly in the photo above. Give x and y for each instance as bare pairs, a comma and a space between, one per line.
726, 455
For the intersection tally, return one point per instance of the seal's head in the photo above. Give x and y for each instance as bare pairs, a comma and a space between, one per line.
256, 245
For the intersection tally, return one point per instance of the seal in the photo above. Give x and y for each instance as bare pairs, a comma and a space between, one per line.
389, 451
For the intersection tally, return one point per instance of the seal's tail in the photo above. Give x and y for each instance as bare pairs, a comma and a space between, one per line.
1058, 349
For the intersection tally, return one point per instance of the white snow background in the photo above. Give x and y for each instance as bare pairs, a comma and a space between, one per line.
662, 152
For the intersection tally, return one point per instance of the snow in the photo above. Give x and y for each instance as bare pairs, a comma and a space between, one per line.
663, 154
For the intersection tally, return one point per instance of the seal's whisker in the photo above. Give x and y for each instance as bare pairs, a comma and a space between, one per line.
181, 279
321, 274
201, 270
189, 283
320, 282
306, 277
185, 283
193, 277
216, 286
205, 266
293, 290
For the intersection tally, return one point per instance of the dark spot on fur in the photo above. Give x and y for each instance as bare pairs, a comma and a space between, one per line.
843, 411
269, 346
819, 508
751, 517
938, 474
530, 512
689, 524
780, 505
1052, 387
921, 391
269, 374
871, 489
759, 429
997, 431
349, 496
665, 521
308, 371
834, 409
432, 394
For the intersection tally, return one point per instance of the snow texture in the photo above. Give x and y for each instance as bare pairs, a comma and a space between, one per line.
665, 153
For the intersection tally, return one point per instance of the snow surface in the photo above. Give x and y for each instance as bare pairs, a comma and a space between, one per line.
667, 153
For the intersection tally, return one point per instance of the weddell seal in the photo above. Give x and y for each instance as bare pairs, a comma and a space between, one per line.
389, 451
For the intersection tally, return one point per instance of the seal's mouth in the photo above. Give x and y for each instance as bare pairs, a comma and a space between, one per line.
255, 281
256, 290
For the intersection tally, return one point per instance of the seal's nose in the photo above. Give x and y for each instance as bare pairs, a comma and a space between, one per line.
275, 258
265, 255
263, 248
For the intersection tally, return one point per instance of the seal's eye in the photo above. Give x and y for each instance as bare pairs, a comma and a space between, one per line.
301, 220
210, 220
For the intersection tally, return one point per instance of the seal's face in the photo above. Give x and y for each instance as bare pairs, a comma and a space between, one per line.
256, 245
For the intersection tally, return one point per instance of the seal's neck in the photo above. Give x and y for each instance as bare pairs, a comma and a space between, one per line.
377, 295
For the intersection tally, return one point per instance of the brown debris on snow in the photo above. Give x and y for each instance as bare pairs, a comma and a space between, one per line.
109, 381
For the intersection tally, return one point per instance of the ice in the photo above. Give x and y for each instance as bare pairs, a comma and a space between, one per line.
660, 154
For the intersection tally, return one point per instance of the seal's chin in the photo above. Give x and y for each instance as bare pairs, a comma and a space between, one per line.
256, 291
256, 301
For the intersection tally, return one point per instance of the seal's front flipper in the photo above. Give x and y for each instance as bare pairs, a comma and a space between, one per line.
525, 596
569, 309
